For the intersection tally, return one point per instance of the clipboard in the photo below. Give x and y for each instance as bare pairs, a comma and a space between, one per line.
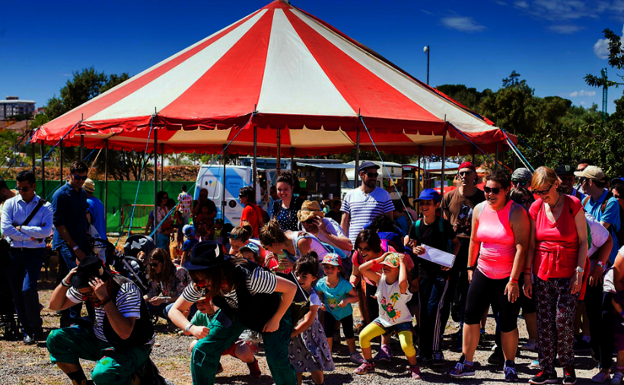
437, 256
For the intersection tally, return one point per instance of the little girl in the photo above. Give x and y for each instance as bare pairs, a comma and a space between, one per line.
394, 316
337, 295
308, 350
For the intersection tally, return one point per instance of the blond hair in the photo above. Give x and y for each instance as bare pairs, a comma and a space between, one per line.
544, 176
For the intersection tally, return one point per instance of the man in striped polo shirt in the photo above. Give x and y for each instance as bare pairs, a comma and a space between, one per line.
362, 205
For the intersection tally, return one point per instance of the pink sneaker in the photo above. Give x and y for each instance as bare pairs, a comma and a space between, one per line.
415, 370
366, 367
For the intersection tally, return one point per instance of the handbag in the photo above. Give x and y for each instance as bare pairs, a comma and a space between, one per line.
5, 246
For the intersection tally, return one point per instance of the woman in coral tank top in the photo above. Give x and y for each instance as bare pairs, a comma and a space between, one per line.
500, 238
557, 263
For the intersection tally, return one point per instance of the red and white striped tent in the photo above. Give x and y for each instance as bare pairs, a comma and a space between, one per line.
278, 69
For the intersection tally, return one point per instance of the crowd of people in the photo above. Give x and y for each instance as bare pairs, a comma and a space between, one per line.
545, 242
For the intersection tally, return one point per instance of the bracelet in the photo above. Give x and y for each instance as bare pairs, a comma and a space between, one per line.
107, 300
64, 284
601, 264
75, 248
470, 268
512, 279
188, 327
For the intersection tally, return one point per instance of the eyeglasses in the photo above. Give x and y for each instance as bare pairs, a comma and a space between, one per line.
492, 190
372, 174
542, 192
520, 182
78, 177
23, 189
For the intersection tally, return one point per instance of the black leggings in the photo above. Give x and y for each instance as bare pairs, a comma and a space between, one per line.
484, 291
330, 323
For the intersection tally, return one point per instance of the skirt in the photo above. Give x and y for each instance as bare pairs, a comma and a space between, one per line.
309, 352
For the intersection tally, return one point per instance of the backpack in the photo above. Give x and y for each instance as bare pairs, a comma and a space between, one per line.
440, 232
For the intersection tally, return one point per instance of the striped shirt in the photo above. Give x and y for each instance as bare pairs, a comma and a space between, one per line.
128, 303
259, 281
184, 202
363, 208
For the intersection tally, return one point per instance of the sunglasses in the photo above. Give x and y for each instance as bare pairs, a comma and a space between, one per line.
310, 221
23, 189
372, 174
492, 190
520, 182
464, 173
154, 264
542, 192
78, 177
232, 236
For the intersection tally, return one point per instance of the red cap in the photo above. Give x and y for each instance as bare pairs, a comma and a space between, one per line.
467, 165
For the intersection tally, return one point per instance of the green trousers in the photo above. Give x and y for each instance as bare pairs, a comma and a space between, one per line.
207, 351
68, 345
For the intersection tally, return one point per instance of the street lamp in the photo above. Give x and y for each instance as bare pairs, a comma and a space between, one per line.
426, 50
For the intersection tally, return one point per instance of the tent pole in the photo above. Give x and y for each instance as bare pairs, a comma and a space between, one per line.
105, 176
61, 146
162, 164
496, 157
223, 184
474, 150
443, 163
155, 180
82, 147
255, 160
278, 166
43, 179
357, 157
292, 159
418, 179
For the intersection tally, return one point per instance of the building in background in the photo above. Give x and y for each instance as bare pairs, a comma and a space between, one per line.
14, 106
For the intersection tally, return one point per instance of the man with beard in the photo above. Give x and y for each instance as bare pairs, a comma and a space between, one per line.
314, 221
457, 206
363, 204
565, 172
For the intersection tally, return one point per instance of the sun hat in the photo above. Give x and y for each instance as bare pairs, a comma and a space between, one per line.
89, 186
332, 259
90, 267
392, 260
429, 195
309, 209
366, 165
205, 255
593, 173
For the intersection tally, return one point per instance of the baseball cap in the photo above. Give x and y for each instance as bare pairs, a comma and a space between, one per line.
522, 175
332, 259
188, 230
366, 165
250, 246
593, 173
89, 186
615, 181
467, 165
565, 169
429, 195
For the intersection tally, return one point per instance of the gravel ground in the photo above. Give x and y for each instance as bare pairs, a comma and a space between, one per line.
21, 364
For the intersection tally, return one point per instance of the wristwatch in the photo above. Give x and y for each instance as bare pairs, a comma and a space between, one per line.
601, 264
579, 270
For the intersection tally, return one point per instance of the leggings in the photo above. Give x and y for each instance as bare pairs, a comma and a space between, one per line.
484, 291
330, 322
374, 330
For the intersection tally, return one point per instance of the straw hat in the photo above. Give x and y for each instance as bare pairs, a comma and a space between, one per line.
310, 209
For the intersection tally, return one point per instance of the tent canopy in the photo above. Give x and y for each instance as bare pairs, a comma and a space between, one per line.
279, 68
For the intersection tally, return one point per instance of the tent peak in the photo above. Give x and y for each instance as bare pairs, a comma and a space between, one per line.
279, 4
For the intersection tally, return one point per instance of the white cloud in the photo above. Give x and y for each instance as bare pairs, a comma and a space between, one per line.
565, 10
581, 93
463, 24
565, 29
601, 48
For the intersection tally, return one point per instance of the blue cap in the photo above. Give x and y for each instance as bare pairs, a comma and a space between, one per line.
367, 165
188, 230
251, 247
429, 195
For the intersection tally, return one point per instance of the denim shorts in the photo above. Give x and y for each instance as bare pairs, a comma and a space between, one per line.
404, 326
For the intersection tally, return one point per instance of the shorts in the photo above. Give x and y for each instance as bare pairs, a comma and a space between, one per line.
404, 326
231, 351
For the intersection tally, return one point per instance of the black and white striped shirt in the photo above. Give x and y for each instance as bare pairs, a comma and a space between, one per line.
259, 281
128, 303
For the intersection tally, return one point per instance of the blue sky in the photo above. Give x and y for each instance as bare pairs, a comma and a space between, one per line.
553, 44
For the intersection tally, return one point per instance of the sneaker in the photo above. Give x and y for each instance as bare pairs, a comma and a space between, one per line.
569, 375
29, 340
601, 377
254, 369
437, 359
510, 374
582, 346
497, 358
385, 354
530, 345
220, 368
544, 377
366, 367
462, 369
356, 358
617, 378
534, 364
415, 370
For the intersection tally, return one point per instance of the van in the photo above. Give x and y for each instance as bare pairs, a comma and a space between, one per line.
236, 177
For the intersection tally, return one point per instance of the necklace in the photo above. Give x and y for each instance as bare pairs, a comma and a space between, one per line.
555, 205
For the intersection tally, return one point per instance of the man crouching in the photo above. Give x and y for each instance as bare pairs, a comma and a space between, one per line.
121, 337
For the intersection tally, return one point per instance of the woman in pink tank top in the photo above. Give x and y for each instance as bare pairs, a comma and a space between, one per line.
500, 239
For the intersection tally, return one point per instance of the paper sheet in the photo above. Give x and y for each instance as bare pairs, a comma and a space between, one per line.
437, 256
